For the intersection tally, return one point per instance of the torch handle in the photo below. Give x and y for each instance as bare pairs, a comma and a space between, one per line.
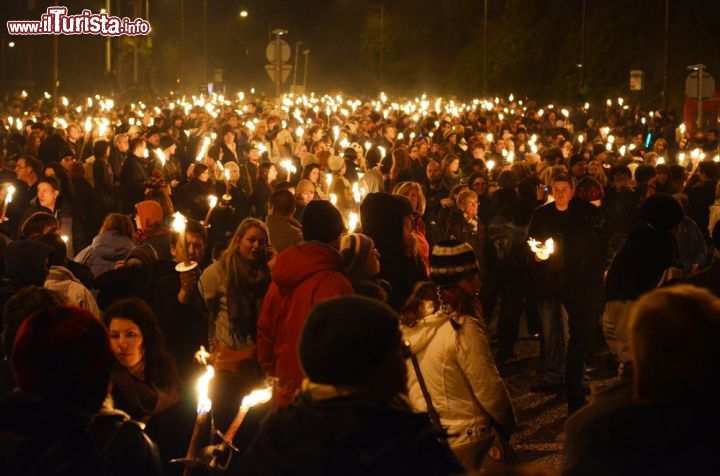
235, 425
194, 439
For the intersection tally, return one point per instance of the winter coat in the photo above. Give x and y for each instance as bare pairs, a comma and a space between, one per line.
132, 182
303, 276
284, 232
39, 438
213, 286
640, 263
692, 248
702, 196
60, 279
575, 269
105, 251
349, 435
462, 379
459, 228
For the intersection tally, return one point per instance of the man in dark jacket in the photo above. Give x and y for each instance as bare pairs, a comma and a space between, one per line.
178, 302
568, 282
350, 417
435, 193
701, 192
638, 267
133, 175
505, 262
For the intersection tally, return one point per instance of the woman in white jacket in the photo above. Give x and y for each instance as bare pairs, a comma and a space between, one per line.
445, 333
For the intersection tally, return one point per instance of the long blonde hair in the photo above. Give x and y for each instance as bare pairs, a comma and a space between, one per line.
230, 257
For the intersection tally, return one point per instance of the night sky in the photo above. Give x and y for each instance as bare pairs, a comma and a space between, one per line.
431, 46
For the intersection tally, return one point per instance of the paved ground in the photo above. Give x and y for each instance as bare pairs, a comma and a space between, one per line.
539, 436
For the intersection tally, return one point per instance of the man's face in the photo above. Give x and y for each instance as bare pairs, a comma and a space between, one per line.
390, 133
433, 172
195, 248
414, 153
22, 171
562, 193
47, 195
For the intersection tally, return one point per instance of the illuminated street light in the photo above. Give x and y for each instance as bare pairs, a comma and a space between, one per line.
11, 44
243, 13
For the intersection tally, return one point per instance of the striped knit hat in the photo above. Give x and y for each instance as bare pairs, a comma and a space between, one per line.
355, 249
451, 261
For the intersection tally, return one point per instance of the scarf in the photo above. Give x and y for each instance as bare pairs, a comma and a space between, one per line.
246, 288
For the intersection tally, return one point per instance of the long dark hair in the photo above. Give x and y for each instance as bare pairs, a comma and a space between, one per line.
160, 369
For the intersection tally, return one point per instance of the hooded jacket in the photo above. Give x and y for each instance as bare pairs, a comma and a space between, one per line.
62, 280
303, 276
462, 379
105, 251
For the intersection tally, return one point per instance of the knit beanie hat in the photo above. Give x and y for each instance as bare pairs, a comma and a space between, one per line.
309, 159
355, 249
336, 163
451, 261
304, 186
662, 212
146, 254
166, 141
321, 221
149, 212
346, 340
589, 189
63, 354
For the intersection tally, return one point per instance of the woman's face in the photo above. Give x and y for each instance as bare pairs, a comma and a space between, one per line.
306, 197
479, 186
372, 265
204, 177
50, 172
414, 198
252, 245
314, 175
126, 342
454, 166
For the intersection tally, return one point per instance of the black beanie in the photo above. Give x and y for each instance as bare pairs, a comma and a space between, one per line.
451, 261
321, 221
662, 212
507, 179
346, 339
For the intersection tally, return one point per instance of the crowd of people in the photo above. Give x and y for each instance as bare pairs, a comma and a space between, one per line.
372, 262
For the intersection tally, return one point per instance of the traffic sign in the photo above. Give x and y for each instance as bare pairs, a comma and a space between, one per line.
692, 84
273, 69
271, 51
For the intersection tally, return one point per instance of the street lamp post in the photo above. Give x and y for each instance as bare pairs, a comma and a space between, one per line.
297, 50
305, 74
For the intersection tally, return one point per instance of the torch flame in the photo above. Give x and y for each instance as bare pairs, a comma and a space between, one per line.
9, 194
212, 200
204, 403
256, 397
542, 251
202, 355
353, 220
333, 199
179, 221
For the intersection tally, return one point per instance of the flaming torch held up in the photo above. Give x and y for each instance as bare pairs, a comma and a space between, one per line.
8, 199
203, 409
256, 397
178, 225
542, 250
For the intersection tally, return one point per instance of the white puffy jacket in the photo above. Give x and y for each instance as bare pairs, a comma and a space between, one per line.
462, 379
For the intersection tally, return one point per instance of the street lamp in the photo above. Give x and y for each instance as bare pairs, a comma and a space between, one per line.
243, 13
11, 44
